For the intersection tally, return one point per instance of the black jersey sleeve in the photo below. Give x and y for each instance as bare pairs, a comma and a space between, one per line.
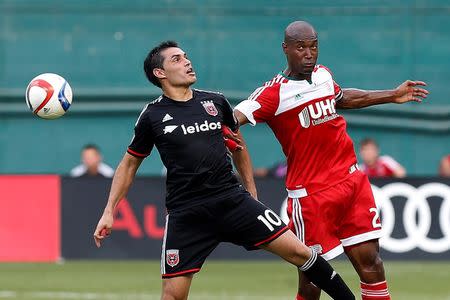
228, 115
142, 142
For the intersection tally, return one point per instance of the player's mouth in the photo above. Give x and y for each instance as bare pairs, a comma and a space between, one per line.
190, 71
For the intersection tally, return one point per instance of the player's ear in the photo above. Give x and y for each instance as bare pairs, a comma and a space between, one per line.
159, 73
284, 46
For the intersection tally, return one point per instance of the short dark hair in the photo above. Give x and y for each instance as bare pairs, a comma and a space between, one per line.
368, 141
91, 146
154, 60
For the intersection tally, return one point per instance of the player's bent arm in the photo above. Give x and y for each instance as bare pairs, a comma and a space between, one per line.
122, 180
243, 164
406, 92
242, 119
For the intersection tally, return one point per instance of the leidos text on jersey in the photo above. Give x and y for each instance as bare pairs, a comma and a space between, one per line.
205, 126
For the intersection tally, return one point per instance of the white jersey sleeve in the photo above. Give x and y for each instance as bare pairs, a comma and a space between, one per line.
262, 105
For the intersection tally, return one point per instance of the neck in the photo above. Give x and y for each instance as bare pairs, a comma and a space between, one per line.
297, 76
181, 94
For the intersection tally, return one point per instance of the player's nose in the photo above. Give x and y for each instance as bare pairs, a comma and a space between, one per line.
308, 53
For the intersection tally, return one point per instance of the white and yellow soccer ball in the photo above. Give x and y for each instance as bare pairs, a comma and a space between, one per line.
48, 96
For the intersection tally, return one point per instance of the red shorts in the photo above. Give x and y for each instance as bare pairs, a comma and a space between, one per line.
340, 216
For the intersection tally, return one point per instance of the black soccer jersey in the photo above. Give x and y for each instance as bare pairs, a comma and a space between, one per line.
188, 136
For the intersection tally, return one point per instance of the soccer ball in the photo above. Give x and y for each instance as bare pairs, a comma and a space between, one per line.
48, 96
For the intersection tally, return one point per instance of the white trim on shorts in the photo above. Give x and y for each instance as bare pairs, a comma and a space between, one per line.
363, 237
300, 193
297, 219
333, 253
163, 248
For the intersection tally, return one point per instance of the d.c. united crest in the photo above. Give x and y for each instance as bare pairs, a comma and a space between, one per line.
172, 257
210, 108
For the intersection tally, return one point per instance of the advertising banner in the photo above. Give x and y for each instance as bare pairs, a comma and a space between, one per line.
29, 218
415, 214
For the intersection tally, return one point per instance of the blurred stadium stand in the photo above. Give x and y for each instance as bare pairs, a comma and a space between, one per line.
99, 46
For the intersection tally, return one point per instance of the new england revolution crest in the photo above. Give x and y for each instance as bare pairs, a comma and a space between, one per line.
172, 257
210, 107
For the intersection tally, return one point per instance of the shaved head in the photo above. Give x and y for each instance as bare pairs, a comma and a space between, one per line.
301, 47
299, 31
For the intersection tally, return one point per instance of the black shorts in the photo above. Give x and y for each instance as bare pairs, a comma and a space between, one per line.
193, 233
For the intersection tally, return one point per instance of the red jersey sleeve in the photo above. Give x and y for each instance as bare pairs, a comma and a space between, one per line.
262, 105
337, 91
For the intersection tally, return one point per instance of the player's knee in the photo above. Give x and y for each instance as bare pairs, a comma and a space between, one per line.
372, 264
171, 295
172, 292
308, 290
300, 255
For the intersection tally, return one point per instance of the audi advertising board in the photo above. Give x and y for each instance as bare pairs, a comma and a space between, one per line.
415, 214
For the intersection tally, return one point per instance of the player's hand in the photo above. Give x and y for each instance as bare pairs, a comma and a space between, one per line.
103, 229
231, 139
410, 91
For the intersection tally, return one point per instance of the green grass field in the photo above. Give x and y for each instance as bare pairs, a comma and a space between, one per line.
224, 280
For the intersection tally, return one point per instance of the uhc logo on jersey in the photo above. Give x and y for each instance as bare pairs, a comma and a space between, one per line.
318, 113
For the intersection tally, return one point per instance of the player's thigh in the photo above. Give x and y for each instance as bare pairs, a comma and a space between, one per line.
316, 219
289, 247
188, 240
361, 222
176, 288
250, 223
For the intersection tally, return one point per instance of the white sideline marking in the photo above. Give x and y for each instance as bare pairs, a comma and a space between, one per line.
113, 296
8, 294
75, 295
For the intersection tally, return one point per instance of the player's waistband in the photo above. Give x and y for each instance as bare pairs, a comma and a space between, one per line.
300, 193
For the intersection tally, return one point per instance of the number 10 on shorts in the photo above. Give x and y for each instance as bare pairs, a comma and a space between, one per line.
270, 218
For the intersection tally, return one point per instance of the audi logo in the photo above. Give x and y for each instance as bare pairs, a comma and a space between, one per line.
416, 216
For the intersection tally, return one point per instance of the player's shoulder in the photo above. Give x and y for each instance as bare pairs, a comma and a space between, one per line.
271, 85
153, 105
269, 88
276, 81
321, 73
205, 93
208, 96
322, 69
386, 159
388, 162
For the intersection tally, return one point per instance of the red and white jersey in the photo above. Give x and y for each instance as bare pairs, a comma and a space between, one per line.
385, 166
303, 117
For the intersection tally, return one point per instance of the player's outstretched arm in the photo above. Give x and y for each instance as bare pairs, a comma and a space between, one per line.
243, 164
122, 180
406, 92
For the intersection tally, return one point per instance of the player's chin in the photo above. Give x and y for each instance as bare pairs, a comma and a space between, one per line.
192, 79
308, 69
